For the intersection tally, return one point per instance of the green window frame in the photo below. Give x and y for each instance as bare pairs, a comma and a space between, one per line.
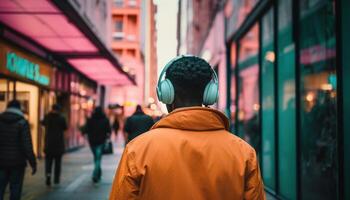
345, 73
268, 154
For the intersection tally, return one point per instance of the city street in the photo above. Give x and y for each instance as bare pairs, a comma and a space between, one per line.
244, 97
76, 180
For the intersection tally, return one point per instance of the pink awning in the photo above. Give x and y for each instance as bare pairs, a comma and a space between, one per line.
100, 70
45, 24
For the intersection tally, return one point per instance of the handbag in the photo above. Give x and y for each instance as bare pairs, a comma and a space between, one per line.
108, 147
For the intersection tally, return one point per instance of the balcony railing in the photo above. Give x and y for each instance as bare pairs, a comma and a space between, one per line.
118, 35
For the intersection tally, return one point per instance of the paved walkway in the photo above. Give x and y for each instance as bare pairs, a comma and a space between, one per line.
76, 180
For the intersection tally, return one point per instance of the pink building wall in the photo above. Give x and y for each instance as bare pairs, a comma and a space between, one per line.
126, 46
214, 52
97, 15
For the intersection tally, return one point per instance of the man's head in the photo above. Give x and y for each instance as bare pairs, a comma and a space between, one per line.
14, 104
56, 108
189, 75
98, 110
138, 109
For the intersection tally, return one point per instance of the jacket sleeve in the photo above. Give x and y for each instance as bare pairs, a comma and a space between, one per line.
254, 187
27, 146
126, 184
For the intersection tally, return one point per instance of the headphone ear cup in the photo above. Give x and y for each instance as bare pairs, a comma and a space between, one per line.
166, 92
211, 94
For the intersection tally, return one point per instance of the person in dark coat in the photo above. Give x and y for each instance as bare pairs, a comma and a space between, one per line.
15, 150
137, 124
116, 125
55, 125
98, 130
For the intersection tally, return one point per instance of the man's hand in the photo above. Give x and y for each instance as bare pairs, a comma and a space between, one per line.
33, 170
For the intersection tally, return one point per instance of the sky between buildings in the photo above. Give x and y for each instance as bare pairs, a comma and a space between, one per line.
166, 30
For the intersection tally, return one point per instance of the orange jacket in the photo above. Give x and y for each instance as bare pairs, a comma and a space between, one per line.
189, 154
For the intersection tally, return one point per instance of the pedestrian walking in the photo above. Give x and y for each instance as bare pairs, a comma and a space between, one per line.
188, 154
137, 124
15, 150
116, 125
98, 131
55, 124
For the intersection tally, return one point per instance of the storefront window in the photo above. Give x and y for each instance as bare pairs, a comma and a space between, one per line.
47, 100
268, 101
3, 94
286, 102
345, 51
248, 103
6, 93
74, 122
28, 96
239, 10
318, 100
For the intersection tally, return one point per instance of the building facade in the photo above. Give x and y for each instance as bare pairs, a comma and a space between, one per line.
38, 84
201, 32
195, 19
96, 14
286, 92
50, 54
149, 50
285, 84
134, 43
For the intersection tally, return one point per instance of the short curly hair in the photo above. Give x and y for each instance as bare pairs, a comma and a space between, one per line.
189, 76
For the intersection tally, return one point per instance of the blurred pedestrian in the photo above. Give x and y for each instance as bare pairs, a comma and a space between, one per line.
98, 130
116, 125
137, 124
55, 125
15, 150
188, 154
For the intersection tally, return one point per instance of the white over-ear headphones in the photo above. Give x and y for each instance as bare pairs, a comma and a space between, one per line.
166, 92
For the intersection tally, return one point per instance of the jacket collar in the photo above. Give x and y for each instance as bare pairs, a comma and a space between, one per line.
195, 119
14, 111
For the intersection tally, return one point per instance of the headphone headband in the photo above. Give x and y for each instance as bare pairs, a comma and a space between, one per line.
215, 77
166, 92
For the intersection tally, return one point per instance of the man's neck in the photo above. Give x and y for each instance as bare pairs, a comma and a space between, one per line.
187, 104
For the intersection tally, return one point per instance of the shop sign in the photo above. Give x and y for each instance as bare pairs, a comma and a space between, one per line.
25, 68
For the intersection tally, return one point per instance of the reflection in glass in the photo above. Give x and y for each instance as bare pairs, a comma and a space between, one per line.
286, 102
238, 11
6, 93
268, 101
318, 100
233, 108
28, 96
3, 94
248, 94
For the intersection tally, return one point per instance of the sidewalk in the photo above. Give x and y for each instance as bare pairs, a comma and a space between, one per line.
76, 180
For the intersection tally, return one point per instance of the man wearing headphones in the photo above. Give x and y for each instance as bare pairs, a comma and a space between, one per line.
189, 154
